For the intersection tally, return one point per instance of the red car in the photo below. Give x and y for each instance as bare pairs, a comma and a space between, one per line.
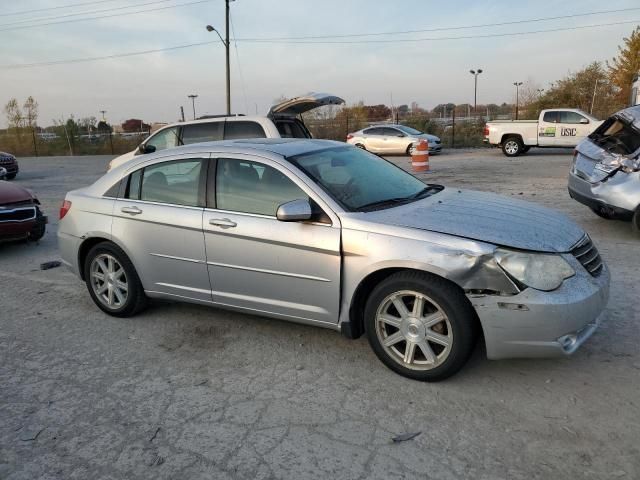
20, 214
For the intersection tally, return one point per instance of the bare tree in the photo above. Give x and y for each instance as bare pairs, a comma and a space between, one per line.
14, 114
31, 116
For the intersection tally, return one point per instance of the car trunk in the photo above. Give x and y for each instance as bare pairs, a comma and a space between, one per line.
287, 115
612, 146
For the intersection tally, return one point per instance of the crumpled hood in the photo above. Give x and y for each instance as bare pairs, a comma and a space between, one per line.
486, 217
12, 193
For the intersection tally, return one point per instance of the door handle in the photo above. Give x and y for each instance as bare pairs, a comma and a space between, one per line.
222, 222
131, 210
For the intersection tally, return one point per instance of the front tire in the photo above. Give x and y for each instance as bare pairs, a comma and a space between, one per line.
113, 282
420, 326
512, 146
360, 145
10, 176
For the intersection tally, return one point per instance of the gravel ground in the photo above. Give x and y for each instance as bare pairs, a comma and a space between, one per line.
183, 391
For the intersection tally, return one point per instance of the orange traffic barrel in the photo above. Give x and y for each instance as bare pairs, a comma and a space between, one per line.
420, 157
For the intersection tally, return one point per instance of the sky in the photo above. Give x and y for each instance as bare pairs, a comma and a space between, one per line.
430, 68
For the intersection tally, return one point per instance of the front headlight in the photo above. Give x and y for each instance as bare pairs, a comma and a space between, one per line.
542, 271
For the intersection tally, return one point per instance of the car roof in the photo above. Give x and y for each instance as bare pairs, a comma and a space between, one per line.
285, 147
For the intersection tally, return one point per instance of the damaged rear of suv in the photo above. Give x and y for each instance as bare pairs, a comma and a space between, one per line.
605, 174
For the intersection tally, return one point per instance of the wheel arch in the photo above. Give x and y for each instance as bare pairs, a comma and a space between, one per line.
90, 242
355, 327
506, 136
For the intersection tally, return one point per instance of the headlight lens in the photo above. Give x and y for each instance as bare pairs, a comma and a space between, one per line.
541, 271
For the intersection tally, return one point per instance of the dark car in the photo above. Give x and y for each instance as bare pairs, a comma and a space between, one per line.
10, 164
20, 214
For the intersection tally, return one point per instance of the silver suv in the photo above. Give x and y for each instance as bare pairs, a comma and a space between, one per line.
282, 121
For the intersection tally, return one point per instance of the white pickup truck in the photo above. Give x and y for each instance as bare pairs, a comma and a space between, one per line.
558, 127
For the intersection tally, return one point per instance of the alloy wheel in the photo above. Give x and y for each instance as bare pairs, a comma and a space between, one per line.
414, 330
511, 147
109, 281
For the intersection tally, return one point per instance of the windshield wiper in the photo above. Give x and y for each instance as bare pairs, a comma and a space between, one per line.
399, 200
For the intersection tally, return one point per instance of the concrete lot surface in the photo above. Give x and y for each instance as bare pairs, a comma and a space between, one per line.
186, 392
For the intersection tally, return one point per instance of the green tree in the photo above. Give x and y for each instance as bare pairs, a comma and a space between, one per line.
623, 67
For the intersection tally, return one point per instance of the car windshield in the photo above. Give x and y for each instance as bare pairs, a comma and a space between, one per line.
409, 130
361, 181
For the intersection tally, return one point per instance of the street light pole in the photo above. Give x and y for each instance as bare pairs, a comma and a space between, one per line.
517, 84
475, 74
225, 42
193, 103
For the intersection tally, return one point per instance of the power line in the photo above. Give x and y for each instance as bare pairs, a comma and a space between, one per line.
22, 12
103, 16
66, 15
439, 29
157, 50
434, 39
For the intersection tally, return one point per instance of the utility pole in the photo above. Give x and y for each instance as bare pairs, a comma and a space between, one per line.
181, 113
475, 74
193, 103
517, 84
225, 42
593, 100
103, 112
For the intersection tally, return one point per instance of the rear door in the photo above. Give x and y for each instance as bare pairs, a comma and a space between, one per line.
160, 217
548, 128
373, 139
259, 264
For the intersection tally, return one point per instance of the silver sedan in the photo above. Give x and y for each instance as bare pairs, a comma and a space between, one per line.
392, 139
329, 235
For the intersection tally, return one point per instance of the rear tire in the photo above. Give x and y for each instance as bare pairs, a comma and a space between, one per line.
420, 326
603, 213
10, 176
113, 282
512, 146
635, 221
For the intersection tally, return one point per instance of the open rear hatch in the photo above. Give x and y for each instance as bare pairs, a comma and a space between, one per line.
299, 105
612, 146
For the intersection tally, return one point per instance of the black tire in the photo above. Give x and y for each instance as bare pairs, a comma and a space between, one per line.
10, 176
512, 146
409, 149
635, 221
360, 145
38, 231
136, 300
451, 301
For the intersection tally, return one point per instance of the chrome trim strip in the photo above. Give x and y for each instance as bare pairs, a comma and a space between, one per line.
182, 287
171, 257
270, 272
17, 210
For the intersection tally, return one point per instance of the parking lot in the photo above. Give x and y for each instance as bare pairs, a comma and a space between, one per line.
183, 391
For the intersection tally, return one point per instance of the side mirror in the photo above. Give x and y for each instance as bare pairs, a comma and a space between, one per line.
584, 121
143, 148
294, 211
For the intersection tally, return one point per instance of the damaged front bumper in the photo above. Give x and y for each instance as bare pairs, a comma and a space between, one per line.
534, 323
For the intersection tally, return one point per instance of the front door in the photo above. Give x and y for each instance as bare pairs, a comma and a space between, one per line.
260, 264
161, 218
573, 128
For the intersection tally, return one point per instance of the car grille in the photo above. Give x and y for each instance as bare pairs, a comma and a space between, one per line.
7, 160
17, 214
587, 254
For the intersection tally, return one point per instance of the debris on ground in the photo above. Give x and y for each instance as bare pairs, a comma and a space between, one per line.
405, 436
31, 435
155, 434
51, 264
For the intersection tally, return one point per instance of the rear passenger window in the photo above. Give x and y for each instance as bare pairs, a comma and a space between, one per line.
291, 130
202, 132
234, 130
250, 187
177, 182
550, 117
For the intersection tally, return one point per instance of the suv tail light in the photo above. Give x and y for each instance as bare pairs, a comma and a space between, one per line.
64, 208
349, 136
486, 131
